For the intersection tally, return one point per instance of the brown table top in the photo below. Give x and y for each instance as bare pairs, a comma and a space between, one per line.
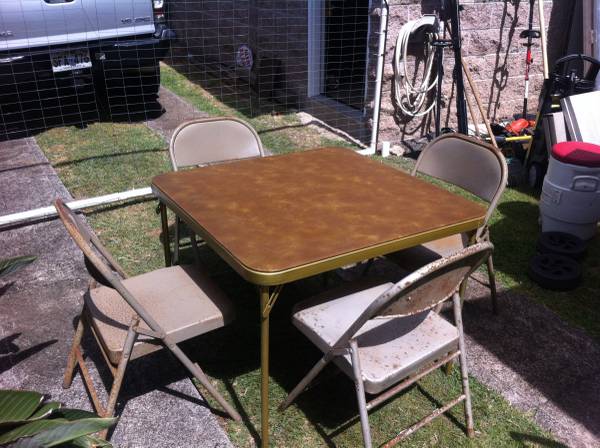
282, 218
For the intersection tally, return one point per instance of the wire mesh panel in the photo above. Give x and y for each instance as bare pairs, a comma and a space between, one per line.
72, 62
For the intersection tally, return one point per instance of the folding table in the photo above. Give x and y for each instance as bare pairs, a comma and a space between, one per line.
278, 219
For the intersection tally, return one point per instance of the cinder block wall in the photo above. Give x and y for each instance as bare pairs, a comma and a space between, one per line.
491, 47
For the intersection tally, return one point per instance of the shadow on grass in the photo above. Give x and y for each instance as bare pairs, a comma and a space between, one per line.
526, 439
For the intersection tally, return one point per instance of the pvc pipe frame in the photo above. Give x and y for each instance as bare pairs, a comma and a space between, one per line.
49, 212
372, 149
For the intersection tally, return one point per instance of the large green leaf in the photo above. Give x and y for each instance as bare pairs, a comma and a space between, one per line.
73, 414
89, 442
46, 410
72, 430
18, 405
12, 264
31, 429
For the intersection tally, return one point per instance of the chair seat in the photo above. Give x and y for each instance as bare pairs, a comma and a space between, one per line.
390, 348
184, 301
413, 258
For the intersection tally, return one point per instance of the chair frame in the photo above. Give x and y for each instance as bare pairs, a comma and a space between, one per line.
483, 232
173, 157
93, 250
348, 342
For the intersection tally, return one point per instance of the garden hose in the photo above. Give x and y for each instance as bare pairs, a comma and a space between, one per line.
411, 98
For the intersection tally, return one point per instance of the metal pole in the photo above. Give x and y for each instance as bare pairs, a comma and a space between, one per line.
461, 107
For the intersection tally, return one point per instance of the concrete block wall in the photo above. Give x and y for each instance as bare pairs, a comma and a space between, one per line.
491, 47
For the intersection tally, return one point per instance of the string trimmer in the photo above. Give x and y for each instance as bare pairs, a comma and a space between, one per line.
529, 34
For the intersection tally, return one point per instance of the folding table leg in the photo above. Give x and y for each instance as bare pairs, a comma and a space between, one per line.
165, 231
264, 365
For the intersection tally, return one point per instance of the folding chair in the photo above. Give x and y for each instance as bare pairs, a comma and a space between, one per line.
388, 337
208, 141
131, 317
474, 166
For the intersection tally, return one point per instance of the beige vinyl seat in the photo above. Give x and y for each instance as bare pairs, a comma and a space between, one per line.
208, 141
474, 166
388, 336
130, 317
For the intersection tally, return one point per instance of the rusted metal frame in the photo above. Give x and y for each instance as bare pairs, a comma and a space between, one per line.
463, 364
87, 379
72, 359
411, 380
164, 219
408, 431
111, 367
360, 394
197, 372
118, 379
310, 376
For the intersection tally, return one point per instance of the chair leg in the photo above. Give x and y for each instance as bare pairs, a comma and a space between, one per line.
320, 365
176, 240
492, 277
120, 374
72, 360
360, 394
197, 372
195, 248
463, 366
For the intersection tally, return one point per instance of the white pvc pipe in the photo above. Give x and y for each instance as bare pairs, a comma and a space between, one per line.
47, 212
372, 149
543, 38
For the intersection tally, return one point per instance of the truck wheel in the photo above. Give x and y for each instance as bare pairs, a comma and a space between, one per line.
561, 243
555, 272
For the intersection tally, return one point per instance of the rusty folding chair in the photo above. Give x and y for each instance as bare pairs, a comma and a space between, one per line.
474, 166
208, 141
388, 337
131, 317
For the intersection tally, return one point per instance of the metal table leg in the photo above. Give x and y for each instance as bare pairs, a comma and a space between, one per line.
264, 365
165, 232
267, 300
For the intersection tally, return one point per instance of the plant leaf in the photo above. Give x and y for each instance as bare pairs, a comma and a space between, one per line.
12, 264
89, 442
72, 430
45, 410
30, 429
25, 443
73, 414
18, 405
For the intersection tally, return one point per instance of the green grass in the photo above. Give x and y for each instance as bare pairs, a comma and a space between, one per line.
107, 158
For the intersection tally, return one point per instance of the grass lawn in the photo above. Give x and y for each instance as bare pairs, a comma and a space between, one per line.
105, 158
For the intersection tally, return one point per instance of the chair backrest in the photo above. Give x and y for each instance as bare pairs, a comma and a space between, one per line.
103, 270
425, 288
468, 163
213, 140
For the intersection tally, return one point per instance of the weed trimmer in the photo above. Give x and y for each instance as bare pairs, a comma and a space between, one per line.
529, 34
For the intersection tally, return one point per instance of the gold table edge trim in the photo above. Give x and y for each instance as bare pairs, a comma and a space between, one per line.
264, 278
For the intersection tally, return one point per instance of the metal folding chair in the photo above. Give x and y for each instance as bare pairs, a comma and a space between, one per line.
208, 141
474, 166
388, 337
131, 317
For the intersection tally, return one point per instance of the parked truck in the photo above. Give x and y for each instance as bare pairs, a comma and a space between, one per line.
75, 61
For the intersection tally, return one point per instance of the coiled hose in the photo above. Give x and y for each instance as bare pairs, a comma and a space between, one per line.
411, 98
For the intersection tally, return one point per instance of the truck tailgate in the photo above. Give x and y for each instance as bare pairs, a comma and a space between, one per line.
34, 23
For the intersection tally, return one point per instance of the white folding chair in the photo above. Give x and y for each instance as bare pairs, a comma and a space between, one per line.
387, 337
